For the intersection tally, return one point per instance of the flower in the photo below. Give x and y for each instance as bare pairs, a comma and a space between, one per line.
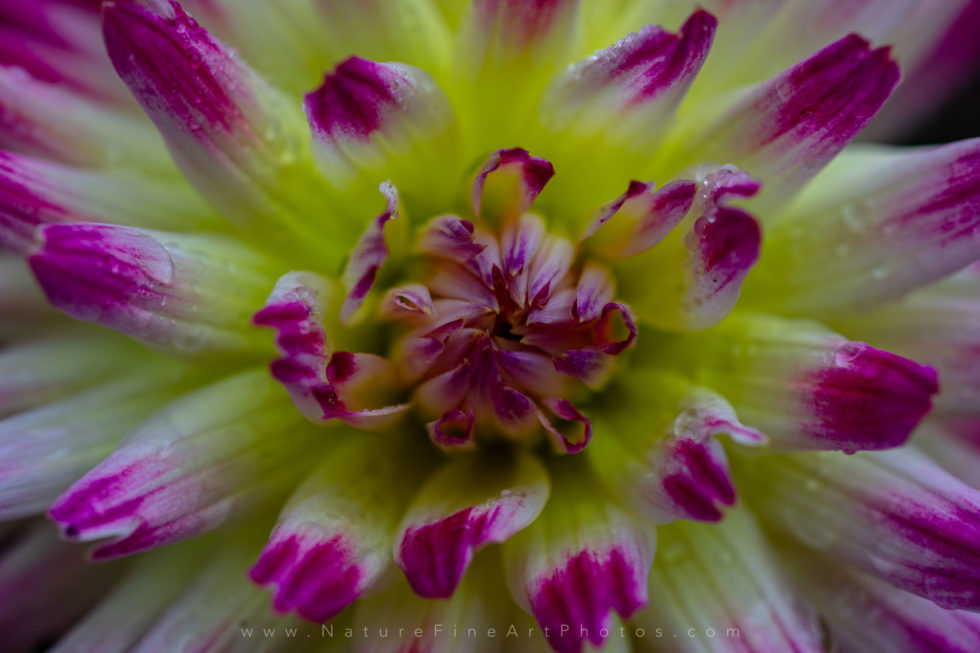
587, 370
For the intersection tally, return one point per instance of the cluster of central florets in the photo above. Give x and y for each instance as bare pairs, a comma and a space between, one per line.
509, 324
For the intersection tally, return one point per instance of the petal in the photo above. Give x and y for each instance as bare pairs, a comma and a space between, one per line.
932, 325
899, 620
629, 91
693, 279
190, 468
469, 503
325, 384
505, 53
44, 587
334, 537
579, 561
719, 587
639, 218
878, 224
51, 122
243, 145
192, 293
893, 514
35, 192
42, 369
401, 30
804, 386
58, 43
453, 430
116, 623
791, 126
507, 184
570, 430
368, 256
374, 120
212, 611
660, 451
450, 237
398, 620
48, 448
596, 289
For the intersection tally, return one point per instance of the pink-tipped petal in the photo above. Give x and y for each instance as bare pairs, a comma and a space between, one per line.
893, 514
875, 226
188, 292
334, 536
639, 218
513, 178
190, 468
789, 127
806, 387
570, 430
236, 139
630, 90
468, 504
368, 256
582, 559
371, 118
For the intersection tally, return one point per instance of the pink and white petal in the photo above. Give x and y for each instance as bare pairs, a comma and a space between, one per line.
34, 192
937, 62
639, 218
297, 309
570, 431
788, 128
191, 467
120, 618
368, 255
450, 237
45, 587
722, 579
413, 31
932, 325
898, 620
579, 561
804, 386
51, 122
189, 293
59, 43
661, 453
469, 503
453, 431
596, 289
333, 539
693, 279
505, 54
399, 620
50, 366
412, 302
48, 448
215, 608
507, 184
241, 143
629, 91
385, 120
892, 514
877, 225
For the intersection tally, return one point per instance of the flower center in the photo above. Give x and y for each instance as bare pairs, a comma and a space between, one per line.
508, 329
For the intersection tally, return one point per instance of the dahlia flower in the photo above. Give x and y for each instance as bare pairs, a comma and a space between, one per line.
432, 325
